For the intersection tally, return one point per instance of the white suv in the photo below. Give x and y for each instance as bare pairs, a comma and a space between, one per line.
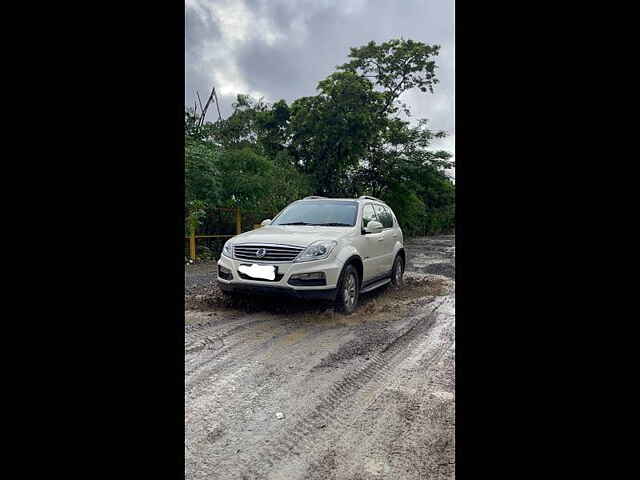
318, 247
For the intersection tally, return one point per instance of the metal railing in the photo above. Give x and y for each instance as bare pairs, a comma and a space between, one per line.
238, 221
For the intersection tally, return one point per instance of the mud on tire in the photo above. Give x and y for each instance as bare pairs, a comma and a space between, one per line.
348, 290
397, 277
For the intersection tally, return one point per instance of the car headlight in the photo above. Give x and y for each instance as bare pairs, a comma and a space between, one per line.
227, 250
317, 251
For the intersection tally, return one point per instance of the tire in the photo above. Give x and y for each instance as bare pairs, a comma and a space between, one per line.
397, 272
348, 290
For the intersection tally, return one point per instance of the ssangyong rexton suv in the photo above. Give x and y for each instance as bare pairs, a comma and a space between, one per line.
318, 248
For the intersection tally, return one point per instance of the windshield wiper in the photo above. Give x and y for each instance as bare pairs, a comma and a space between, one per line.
295, 223
333, 224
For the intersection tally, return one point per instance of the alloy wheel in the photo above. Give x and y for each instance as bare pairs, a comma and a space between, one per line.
350, 286
398, 271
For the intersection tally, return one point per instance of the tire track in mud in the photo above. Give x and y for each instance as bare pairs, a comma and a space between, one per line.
428, 428
211, 339
354, 438
340, 408
237, 388
422, 442
204, 331
238, 377
342, 449
244, 348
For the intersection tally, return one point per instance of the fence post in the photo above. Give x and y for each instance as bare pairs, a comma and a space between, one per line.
192, 245
238, 222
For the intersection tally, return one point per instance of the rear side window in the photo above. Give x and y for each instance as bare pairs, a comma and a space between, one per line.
367, 215
384, 216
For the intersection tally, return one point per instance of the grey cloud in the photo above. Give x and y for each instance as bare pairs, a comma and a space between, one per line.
313, 37
198, 29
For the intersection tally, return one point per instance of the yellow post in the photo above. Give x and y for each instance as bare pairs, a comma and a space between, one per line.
192, 245
238, 222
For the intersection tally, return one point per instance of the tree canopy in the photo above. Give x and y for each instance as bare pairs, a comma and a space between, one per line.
349, 139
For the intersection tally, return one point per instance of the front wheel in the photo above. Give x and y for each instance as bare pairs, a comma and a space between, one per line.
397, 272
348, 291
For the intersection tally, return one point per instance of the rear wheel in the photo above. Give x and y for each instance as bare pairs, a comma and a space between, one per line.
397, 272
348, 290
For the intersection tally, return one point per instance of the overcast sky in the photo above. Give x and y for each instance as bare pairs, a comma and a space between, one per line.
281, 49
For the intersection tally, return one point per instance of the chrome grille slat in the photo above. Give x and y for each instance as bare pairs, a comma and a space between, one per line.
266, 256
275, 253
269, 253
271, 248
251, 252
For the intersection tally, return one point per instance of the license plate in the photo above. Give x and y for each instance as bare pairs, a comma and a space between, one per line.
263, 272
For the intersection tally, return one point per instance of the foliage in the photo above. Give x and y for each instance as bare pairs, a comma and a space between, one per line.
347, 140
395, 66
202, 177
331, 132
253, 181
196, 211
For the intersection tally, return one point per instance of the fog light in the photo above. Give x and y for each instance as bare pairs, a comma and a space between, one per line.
308, 276
224, 272
314, 279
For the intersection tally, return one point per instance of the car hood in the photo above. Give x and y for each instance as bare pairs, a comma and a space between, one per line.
301, 235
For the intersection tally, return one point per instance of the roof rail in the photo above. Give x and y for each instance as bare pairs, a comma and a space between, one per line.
312, 197
368, 197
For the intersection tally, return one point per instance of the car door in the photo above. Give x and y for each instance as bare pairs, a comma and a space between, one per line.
373, 248
388, 239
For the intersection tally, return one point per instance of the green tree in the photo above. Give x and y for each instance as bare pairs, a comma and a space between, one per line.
395, 67
255, 182
201, 173
399, 165
347, 140
253, 123
331, 131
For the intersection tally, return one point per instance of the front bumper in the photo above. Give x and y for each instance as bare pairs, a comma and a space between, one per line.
330, 267
309, 294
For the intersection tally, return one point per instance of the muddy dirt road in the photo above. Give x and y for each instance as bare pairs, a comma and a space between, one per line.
281, 390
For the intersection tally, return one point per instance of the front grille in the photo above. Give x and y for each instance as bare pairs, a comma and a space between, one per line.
273, 253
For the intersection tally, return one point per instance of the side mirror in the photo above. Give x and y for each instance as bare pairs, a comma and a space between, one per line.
266, 222
373, 227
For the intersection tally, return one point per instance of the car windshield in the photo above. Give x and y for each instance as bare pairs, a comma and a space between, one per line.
318, 212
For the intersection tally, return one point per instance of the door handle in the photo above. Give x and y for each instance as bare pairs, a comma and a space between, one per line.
381, 239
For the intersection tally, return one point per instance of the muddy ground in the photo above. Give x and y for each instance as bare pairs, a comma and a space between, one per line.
292, 390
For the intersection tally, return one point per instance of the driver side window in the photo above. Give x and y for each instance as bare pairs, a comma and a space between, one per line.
367, 215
